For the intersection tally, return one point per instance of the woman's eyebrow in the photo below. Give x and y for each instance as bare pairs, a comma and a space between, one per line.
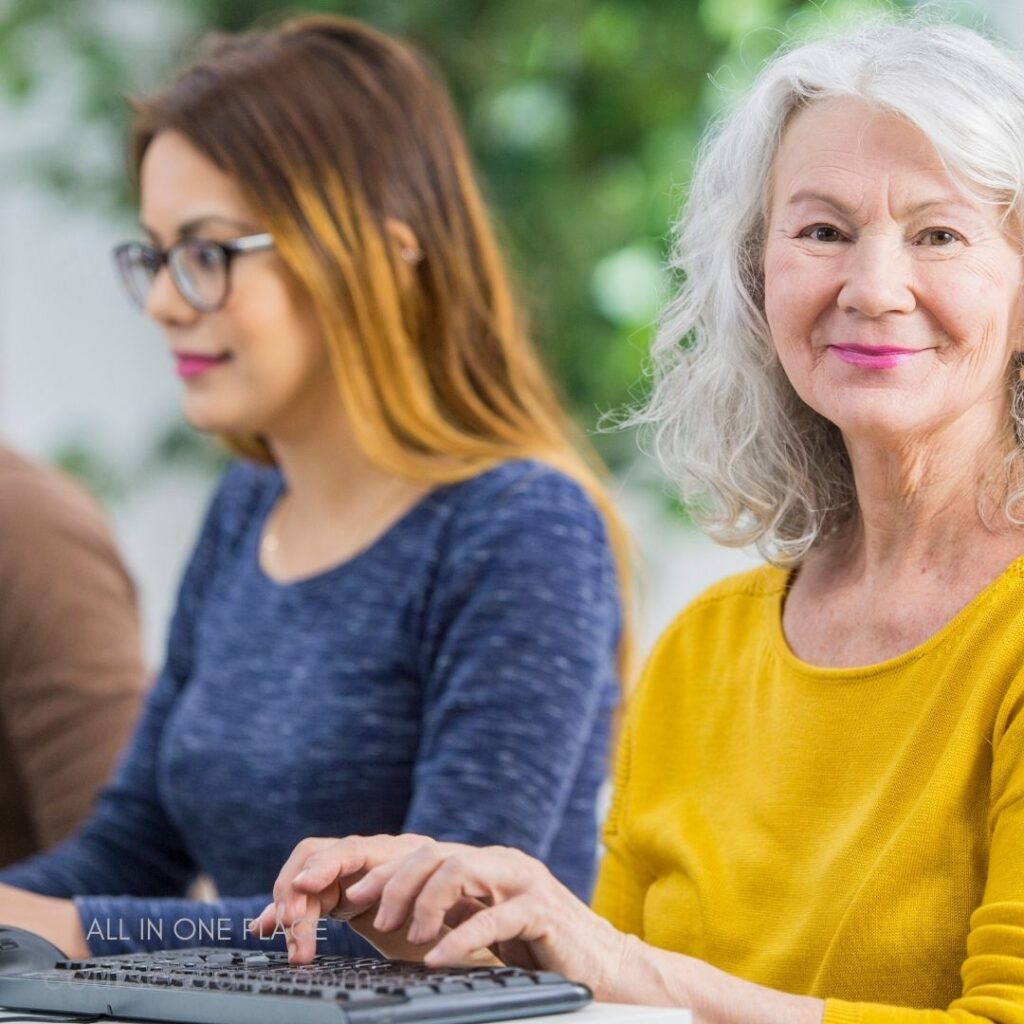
196, 224
813, 196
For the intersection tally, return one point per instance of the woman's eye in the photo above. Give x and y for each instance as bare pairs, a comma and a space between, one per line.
151, 259
207, 256
938, 237
822, 233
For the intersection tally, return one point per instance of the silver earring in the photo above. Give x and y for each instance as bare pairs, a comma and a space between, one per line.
411, 254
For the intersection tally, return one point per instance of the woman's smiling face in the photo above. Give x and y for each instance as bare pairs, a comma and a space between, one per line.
257, 365
893, 298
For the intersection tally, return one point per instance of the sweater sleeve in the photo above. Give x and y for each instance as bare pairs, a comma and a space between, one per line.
129, 845
621, 882
72, 668
117, 925
993, 971
622, 879
520, 664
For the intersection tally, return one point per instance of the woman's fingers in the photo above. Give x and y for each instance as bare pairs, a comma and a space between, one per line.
462, 910
297, 919
403, 893
352, 873
452, 880
313, 882
396, 946
342, 858
486, 876
412, 878
351, 856
513, 919
267, 919
300, 928
271, 915
296, 861
396, 886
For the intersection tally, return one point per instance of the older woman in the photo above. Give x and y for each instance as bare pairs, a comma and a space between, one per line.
819, 810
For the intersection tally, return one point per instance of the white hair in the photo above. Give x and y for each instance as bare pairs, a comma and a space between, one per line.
752, 461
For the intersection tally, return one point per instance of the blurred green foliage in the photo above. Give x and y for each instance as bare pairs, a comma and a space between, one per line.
582, 114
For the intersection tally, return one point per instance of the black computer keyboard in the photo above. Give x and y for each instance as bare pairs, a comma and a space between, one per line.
228, 986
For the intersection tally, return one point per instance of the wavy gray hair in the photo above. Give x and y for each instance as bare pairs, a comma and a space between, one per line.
754, 464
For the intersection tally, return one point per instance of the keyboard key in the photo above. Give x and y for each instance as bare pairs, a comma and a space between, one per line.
483, 984
363, 995
517, 981
415, 991
452, 986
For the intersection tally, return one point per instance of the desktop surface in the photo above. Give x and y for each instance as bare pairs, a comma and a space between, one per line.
595, 1013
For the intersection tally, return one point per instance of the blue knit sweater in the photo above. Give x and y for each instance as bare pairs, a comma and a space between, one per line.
455, 679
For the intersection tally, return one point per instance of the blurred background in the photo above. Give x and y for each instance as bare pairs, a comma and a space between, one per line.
583, 116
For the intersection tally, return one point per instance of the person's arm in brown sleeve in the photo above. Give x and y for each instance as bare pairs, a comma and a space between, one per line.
71, 666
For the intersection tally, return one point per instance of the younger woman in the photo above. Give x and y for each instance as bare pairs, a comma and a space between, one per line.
402, 613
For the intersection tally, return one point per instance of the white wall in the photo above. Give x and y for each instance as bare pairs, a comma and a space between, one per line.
77, 363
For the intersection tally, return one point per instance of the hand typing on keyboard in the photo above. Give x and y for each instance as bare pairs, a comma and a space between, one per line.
444, 903
297, 912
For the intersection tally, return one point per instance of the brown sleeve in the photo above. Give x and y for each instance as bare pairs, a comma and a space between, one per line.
71, 666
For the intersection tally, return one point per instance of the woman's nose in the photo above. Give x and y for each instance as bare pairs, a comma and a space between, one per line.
878, 277
165, 304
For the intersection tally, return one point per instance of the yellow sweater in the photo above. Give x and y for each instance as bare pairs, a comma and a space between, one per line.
855, 834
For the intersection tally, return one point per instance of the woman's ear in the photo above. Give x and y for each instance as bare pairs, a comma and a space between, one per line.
407, 245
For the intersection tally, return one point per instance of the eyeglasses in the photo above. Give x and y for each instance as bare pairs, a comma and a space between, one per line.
199, 268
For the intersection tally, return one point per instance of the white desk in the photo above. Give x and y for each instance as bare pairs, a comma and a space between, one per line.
595, 1013
616, 1013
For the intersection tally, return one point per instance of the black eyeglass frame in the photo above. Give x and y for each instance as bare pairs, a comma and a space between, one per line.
228, 249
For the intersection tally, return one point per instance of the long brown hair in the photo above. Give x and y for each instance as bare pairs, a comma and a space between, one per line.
333, 129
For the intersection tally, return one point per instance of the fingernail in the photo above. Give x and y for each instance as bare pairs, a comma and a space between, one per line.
357, 887
304, 873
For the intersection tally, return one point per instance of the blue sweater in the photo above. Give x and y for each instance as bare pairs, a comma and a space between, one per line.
455, 679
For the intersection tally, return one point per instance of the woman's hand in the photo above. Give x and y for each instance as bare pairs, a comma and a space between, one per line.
296, 909
56, 920
446, 903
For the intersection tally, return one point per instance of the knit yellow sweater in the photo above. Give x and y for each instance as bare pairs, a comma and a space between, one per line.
855, 834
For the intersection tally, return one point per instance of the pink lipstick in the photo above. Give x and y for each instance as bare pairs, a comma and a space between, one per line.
874, 357
189, 365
